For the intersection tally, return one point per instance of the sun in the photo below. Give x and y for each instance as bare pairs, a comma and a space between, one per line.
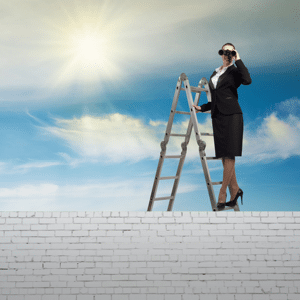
89, 49
87, 56
90, 56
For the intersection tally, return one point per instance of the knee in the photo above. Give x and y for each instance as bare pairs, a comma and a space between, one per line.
228, 157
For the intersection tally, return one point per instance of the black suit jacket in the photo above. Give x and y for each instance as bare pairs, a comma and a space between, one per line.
225, 94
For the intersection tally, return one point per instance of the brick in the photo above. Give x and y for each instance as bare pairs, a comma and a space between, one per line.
47, 220
190, 297
103, 297
82, 220
225, 297
184, 219
201, 220
67, 297
261, 297
85, 297
120, 297
172, 297
13, 221
132, 220
115, 220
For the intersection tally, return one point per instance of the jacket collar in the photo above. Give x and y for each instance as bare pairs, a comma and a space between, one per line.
229, 69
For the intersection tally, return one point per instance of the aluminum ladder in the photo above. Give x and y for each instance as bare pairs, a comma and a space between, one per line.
193, 122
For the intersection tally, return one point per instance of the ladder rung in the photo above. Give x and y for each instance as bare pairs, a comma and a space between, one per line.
216, 182
214, 158
177, 134
173, 156
182, 112
168, 177
205, 133
195, 89
198, 89
163, 198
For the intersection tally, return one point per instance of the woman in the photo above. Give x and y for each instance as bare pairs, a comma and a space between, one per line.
227, 118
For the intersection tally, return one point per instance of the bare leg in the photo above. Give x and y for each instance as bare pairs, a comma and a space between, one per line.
227, 175
233, 185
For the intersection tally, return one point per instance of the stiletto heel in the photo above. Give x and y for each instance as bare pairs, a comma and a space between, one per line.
234, 201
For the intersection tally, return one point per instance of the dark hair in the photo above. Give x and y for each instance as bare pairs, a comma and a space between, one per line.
228, 44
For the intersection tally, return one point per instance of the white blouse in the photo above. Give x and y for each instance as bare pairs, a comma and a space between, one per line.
218, 74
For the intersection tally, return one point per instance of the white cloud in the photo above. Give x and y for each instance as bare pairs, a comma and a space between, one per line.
35, 165
27, 191
290, 106
113, 138
12, 168
115, 194
158, 123
117, 138
28, 197
274, 139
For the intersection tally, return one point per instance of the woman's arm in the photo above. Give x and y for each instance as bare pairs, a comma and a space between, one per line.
243, 73
203, 107
243, 76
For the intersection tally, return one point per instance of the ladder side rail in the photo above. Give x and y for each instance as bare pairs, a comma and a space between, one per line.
184, 144
236, 207
172, 113
181, 162
208, 180
190, 126
164, 144
184, 150
192, 109
202, 146
178, 174
204, 82
155, 183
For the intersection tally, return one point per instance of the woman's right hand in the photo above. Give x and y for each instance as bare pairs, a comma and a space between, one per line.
197, 108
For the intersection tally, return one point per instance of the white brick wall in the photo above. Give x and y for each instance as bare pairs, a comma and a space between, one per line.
149, 255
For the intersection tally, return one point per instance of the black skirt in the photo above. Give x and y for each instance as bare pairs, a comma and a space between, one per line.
228, 134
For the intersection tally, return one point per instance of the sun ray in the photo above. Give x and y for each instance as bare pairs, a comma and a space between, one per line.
86, 45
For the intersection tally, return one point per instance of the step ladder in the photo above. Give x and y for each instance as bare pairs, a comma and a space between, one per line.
193, 123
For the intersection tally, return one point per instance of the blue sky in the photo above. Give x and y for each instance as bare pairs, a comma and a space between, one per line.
86, 89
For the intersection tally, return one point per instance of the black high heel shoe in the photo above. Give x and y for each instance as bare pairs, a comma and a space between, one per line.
234, 201
221, 205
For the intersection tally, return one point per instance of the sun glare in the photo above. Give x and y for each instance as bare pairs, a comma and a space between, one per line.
89, 49
88, 56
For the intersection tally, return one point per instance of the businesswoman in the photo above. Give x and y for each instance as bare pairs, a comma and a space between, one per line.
227, 118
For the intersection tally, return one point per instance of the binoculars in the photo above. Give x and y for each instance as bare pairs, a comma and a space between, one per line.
227, 52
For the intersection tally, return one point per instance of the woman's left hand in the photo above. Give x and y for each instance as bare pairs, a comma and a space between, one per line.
237, 57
